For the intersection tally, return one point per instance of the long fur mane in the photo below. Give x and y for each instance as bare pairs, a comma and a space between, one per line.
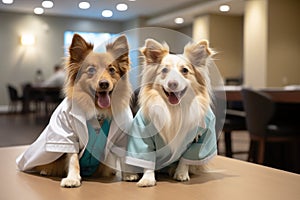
177, 120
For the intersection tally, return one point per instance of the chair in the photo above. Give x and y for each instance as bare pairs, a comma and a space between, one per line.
229, 120
234, 121
14, 98
52, 99
260, 110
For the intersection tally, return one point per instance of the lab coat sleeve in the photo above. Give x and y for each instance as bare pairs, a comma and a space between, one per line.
58, 138
201, 151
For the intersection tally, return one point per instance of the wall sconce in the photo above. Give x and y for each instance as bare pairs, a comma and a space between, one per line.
27, 40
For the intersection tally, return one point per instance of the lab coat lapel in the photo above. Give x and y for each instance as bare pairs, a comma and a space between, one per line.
117, 136
79, 125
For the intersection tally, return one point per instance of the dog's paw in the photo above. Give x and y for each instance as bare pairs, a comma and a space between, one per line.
145, 182
47, 171
70, 182
44, 172
129, 177
181, 176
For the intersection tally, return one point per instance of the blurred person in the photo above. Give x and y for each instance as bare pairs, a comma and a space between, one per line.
57, 79
39, 77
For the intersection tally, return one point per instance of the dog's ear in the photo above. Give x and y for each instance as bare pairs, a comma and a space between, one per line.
154, 51
79, 49
197, 53
119, 48
120, 51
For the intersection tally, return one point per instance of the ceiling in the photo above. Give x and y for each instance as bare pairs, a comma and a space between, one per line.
157, 12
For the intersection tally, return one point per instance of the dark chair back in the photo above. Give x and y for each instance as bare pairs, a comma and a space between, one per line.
13, 93
259, 110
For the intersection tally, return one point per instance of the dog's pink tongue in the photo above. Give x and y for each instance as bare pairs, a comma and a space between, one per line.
103, 100
173, 99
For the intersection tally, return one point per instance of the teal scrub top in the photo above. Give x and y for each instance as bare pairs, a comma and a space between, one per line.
94, 151
147, 149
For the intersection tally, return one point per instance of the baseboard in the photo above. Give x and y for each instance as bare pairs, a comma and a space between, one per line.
5, 109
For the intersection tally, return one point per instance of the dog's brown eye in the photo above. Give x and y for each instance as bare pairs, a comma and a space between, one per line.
111, 70
184, 70
91, 70
165, 70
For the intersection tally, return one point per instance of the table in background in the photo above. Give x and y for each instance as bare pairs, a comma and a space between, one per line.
39, 95
229, 179
279, 95
288, 108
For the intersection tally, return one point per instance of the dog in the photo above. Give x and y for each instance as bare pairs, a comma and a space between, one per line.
97, 91
175, 125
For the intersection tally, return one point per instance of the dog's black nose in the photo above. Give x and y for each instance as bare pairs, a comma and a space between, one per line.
173, 85
104, 84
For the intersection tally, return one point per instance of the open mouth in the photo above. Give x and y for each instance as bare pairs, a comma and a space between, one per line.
103, 98
174, 97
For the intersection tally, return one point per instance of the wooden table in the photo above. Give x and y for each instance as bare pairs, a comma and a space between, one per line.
279, 95
229, 179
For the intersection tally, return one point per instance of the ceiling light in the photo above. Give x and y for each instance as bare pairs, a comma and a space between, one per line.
132, 0
7, 1
38, 10
224, 8
122, 7
107, 13
47, 4
179, 20
84, 5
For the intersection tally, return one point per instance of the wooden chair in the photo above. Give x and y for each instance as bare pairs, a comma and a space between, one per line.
260, 110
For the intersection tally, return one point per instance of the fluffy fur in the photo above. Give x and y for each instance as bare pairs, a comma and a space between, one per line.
175, 94
91, 79
87, 70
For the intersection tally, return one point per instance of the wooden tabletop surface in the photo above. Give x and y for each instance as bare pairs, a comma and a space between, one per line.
228, 179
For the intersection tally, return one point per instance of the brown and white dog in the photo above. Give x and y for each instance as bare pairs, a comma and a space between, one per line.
91, 93
175, 98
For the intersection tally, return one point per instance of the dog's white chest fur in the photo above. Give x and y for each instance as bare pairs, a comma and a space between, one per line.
175, 122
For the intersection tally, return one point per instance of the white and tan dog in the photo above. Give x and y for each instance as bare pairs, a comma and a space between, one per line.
75, 142
175, 123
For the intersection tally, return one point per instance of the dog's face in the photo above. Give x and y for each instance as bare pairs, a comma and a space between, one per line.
92, 77
176, 76
173, 78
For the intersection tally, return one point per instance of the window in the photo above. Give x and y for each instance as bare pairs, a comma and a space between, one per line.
98, 39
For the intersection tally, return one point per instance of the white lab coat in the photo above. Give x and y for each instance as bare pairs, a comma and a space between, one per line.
67, 133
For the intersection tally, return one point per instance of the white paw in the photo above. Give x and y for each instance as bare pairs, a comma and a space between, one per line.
43, 172
130, 177
181, 176
70, 182
146, 182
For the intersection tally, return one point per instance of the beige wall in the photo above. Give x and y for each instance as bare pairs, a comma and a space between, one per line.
225, 34
255, 43
283, 43
264, 45
201, 28
272, 43
226, 37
